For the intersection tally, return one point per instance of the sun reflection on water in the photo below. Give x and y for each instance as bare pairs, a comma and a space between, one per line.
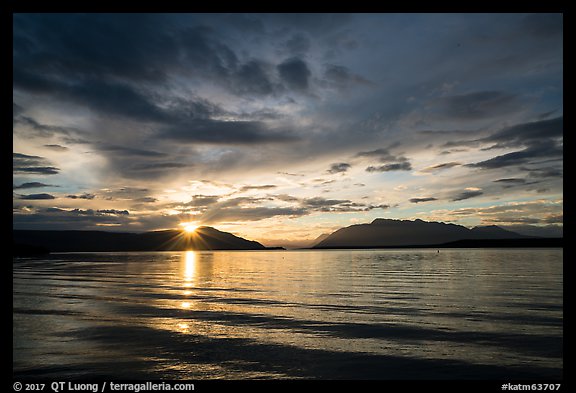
189, 268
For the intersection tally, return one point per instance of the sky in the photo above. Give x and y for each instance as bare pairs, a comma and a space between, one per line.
282, 127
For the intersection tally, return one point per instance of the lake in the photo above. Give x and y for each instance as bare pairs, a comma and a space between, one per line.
330, 314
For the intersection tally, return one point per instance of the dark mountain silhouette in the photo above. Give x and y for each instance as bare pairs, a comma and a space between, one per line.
319, 239
204, 238
401, 233
494, 232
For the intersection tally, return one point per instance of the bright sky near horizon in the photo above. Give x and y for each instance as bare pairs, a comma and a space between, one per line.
281, 127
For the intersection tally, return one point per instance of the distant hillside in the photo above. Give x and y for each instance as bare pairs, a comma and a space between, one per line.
400, 233
205, 238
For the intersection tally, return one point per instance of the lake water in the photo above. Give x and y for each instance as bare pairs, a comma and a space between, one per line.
354, 314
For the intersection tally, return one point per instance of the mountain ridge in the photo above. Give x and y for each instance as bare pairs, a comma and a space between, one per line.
204, 238
383, 232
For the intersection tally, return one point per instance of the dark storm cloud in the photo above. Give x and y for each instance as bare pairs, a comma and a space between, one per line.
341, 77
25, 164
62, 56
467, 195
295, 73
33, 184
133, 46
129, 151
225, 132
528, 133
313, 23
543, 25
203, 48
298, 44
254, 78
478, 105
37, 197
339, 167
420, 200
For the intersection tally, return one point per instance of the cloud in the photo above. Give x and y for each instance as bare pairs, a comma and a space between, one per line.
513, 182
202, 201
477, 105
62, 219
319, 204
543, 173
37, 197
339, 167
25, 164
225, 132
322, 202
341, 77
158, 166
424, 199
545, 149
398, 166
538, 141
543, 25
33, 184
528, 133
233, 214
81, 196
392, 162
129, 151
294, 72
437, 167
531, 212
467, 195
37, 128
382, 154
159, 99
254, 78
56, 147
146, 200
298, 44
262, 187
113, 212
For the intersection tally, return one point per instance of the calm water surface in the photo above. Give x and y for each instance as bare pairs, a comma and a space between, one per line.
354, 314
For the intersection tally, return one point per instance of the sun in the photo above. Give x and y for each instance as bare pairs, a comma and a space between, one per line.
188, 227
